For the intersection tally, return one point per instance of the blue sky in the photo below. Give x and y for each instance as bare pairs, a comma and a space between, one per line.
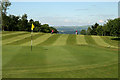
64, 0
66, 13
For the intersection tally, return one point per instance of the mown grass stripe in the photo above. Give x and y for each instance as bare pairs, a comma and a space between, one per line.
51, 39
12, 32
38, 40
101, 42
26, 39
15, 38
12, 35
81, 40
71, 39
90, 40
7, 32
109, 40
61, 40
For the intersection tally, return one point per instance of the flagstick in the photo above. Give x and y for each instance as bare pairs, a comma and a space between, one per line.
31, 39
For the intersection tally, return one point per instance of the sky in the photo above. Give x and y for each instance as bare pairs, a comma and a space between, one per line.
66, 13
64, 0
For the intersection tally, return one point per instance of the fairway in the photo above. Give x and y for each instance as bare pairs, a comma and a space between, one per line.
58, 56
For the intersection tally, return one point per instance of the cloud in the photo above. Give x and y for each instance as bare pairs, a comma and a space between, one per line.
101, 21
66, 20
103, 15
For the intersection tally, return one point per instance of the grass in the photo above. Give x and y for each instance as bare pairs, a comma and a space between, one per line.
50, 40
61, 40
71, 39
109, 40
59, 56
100, 41
26, 39
12, 35
90, 40
81, 40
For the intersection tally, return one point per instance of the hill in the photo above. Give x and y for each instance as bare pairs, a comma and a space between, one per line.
70, 29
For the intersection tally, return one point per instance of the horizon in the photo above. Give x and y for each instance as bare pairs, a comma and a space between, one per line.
66, 13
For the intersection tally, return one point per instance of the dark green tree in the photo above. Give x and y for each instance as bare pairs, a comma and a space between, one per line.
99, 30
4, 5
23, 23
83, 32
94, 27
89, 31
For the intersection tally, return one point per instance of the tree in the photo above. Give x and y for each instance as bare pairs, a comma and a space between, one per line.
83, 32
89, 31
99, 30
55, 30
45, 28
17, 23
94, 27
23, 23
13, 21
37, 26
5, 5
112, 27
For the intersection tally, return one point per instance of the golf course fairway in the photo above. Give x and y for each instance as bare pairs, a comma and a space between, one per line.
58, 56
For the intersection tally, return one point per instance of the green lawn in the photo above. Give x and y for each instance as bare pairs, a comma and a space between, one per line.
59, 56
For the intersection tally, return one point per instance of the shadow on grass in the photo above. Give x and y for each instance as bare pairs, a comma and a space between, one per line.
116, 39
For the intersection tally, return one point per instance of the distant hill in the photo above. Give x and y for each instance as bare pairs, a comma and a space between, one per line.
70, 29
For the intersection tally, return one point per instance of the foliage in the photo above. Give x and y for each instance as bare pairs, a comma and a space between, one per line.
5, 5
17, 23
83, 32
99, 30
20, 23
111, 28
89, 31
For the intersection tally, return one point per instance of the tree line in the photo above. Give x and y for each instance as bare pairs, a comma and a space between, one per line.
111, 28
21, 23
